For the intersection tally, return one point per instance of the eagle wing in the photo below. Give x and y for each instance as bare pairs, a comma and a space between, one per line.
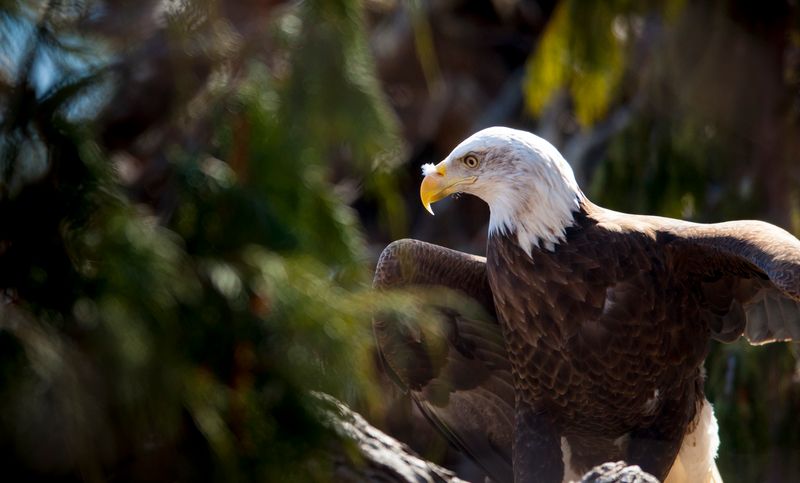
749, 276
457, 371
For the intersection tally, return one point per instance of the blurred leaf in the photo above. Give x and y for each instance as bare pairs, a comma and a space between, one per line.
583, 52
579, 53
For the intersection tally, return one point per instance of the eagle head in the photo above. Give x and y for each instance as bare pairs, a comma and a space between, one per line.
529, 187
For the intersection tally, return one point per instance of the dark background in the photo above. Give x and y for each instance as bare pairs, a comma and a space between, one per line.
193, 195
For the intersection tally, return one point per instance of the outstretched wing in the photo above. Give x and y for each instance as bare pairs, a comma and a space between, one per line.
749, 276
458, 371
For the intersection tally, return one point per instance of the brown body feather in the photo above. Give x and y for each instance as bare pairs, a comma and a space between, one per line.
603, 334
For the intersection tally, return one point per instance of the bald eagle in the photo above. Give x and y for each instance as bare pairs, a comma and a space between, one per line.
593, 325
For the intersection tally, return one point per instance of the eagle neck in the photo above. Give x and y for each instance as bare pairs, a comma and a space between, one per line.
584, 215
535, 222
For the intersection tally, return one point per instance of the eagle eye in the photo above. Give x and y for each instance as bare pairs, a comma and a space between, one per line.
471, 161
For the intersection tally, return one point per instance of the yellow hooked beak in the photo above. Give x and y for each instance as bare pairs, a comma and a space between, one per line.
437, 185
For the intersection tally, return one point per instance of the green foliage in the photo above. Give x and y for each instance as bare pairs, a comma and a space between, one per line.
755, 395
579, 52
583, 52
335, 103
133, 337
336, 100
666, 166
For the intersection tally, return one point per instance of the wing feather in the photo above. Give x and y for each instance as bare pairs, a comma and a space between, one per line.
772, 317
749, 266
458, 371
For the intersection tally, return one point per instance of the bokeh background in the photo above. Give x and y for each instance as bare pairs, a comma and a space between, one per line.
193, 194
